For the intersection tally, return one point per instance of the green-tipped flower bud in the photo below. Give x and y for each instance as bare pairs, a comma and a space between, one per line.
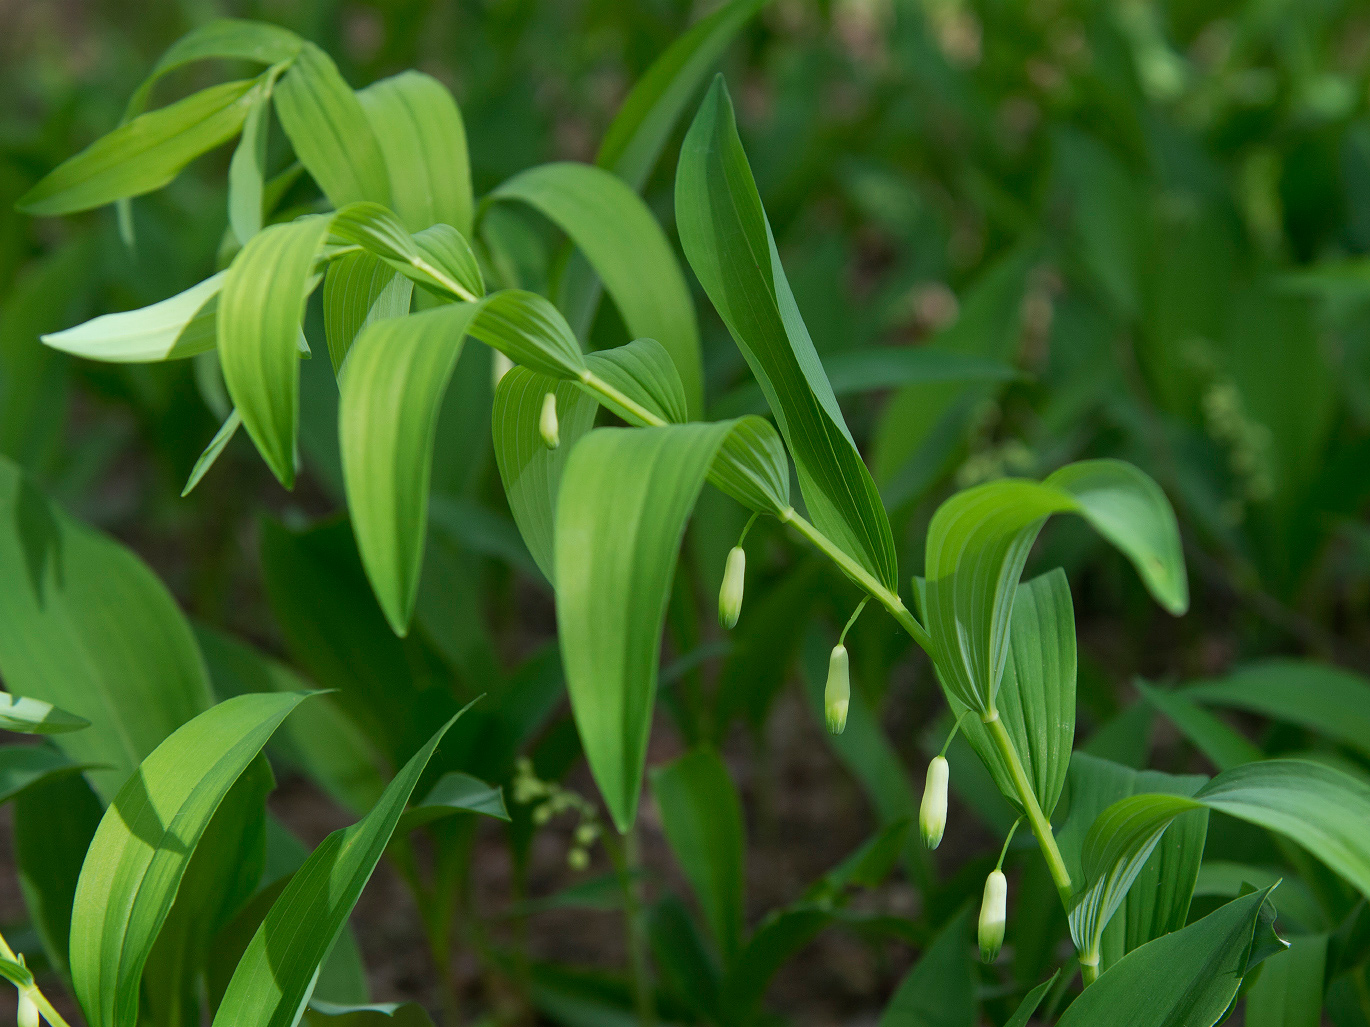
932, 815
837, 696
993, 913
28, 1012
547, 422
730, 595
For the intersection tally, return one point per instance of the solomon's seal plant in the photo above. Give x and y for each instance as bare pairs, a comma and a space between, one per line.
188, 903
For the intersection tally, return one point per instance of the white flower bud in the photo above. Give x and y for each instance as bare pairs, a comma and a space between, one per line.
993, 914
837, 695
547, 422
28, 1012
500, 365
730, 595
932, 815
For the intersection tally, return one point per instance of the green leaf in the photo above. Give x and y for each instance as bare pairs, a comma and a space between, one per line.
146, 153
625, 496
36, 717
180, 326
329, 131
216, 446
1288, 992
455, 792
318, 738
1189, 977
647, 117
1030, 1002
274, 978
438, 257
358, 289
702, 818
1296, 904
686, 966
247, 169
727, 239
1330, 701
260, 309
979, 541
1036, 698
531, 472
383, 1014
1220, 743
615, 230
940, 989
86, 626
145, 842
23, 766
423, 141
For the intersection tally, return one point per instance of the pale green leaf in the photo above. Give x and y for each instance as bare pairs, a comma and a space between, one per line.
86, 626
358, 289
437, 257
329, 131
702, 818
1189, 977
216, 446
274, 979
423, 141
260, 309
180, 326
727, 239
247, 169
625, 496
615, 230
36, 717
979, 541
145, 841
146, 153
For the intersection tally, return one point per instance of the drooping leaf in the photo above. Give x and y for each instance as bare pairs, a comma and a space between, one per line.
1188, 977
1036, 698
438, 257
419, 128
455, 792
276, 974
146, 153
329, 131
86, 626
145, 842
727, 239
702, 818
939, 991
625, 496
979, 541
23, 766
615, 230
36, 717
649, 114
179, 326
259, 315
358, 289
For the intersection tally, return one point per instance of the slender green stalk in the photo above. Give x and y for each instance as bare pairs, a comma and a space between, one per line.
627, 863
34, 993
1089, 969
1040, 826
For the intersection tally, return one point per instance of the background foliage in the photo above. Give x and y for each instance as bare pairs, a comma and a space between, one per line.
1144, 226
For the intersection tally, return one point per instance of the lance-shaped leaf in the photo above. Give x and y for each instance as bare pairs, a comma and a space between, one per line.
615, 230
1220, 743
35, 717
423, 141
247, 169
979, 541
455, 792
260, 309
1166, 872
23, 766
145, 842
358, 289
702, 818
329, 131
1189, 977
1036, 699
940, 989
438, 258
179, 326
86, 626
213, 451
647, 117
625, 496
1289, 991
146, 153
274, 978
727, 239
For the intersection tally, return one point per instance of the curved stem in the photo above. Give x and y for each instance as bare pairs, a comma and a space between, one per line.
34, 993
1040, 826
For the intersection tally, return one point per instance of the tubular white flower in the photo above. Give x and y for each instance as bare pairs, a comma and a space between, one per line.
993, 914
730, 595
547, 422
932, 814
837, 694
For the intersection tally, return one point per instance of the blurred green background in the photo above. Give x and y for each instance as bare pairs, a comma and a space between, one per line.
1158, 213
